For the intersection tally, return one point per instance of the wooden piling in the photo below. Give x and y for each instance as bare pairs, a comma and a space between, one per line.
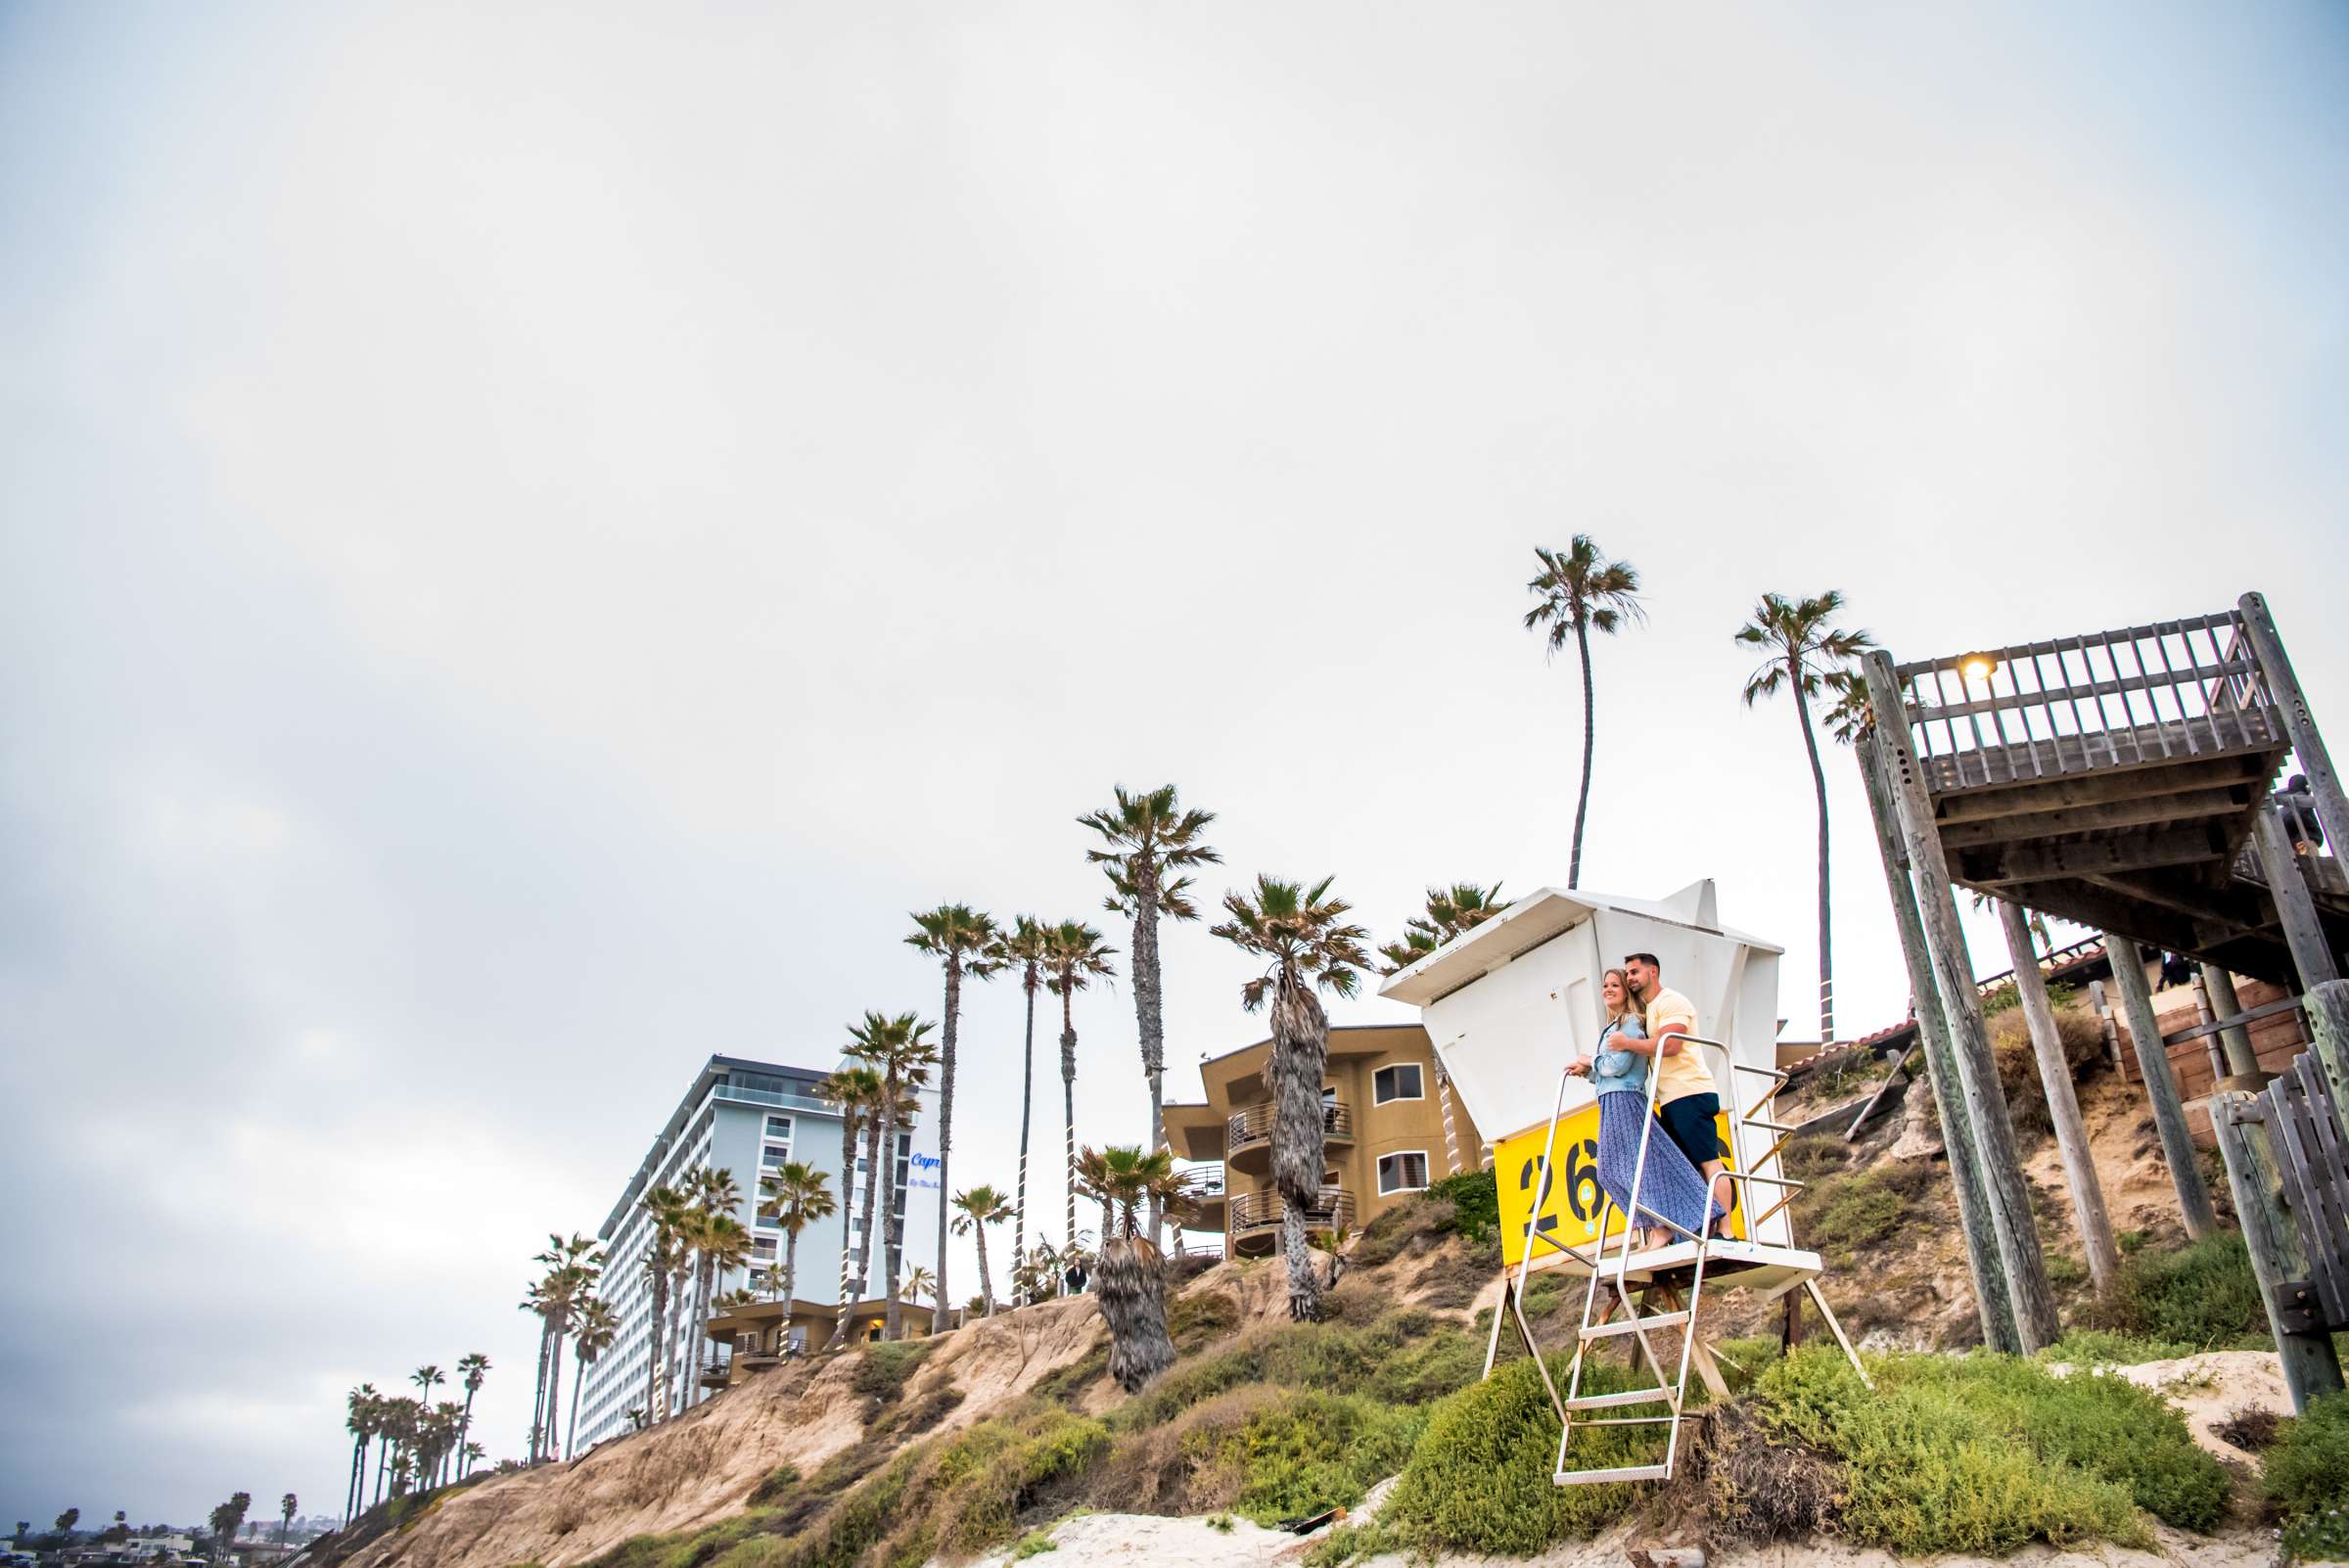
1992, 1304
2296, 908
2235, 1044
2311, 1367
2089, 1214
2033, 1301
2161, 1085
2328, 1009
2300, 721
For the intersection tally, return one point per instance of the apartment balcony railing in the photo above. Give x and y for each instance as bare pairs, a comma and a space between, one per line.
1332, 1209
1254, 1125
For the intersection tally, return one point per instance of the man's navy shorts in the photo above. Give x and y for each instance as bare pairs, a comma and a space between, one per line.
1689, 1121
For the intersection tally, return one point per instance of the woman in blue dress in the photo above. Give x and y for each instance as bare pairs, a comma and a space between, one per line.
1671, 1188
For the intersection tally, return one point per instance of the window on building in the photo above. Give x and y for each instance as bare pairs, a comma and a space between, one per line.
779, 1126
1402, 1173
772, 1155
1400, 1081
764, 1246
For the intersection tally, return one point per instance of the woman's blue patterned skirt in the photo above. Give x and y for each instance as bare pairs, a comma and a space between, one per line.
1670, 1187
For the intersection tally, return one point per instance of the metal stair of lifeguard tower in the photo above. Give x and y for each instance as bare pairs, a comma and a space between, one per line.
1741, 1265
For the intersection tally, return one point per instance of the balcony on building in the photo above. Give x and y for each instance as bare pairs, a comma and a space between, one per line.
1256, 1219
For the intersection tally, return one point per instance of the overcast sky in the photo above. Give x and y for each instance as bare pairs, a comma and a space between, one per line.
530, 538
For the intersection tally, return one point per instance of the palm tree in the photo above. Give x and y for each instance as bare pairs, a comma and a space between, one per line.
981, 1205
725, 1246
285, 1516
473, 1455
966, 939
535, 1299
667, 1209
1147, 836
1129, 1275
474, 1369
1463, 906
427, 1378
920, 1282
799, 1194
896, 1049
1804, 648
1579, 591
1023, 947
361, 1427
573, 1265
598, 1326
857, 1091
1075, 958
1310, 944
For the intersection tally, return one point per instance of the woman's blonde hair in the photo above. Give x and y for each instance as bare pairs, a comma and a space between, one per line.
1623, 980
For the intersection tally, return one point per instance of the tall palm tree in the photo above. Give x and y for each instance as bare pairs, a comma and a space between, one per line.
1075, 958
899, 1050
473, 1369
361, 1427
598, 1326
799, 1195
474, 1454
1146, 836
981, 1205
1130, 1273
1024, 948
285, 1516
1580, 591
857, 1091
1310, 946
665, 1209
965, 941
427, 1378
1804, 648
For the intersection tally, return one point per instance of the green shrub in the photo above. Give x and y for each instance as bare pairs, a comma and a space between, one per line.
1304, 1452
882, 1370
2306, 1475
2202, 1294
1035, 1544
1479, 1481
1194, 1319
1475, 1199
2103, 1347
1408, 1355
1985, 1453
1842, 1215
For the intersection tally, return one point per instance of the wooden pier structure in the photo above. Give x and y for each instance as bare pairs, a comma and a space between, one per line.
2125, 781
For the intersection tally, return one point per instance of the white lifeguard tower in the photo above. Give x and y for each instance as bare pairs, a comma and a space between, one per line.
1509, 1005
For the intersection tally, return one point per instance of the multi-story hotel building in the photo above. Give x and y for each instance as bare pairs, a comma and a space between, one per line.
746, 1117
1390, 1127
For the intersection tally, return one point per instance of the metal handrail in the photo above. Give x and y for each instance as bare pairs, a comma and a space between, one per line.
1332, 1206
1254, 1123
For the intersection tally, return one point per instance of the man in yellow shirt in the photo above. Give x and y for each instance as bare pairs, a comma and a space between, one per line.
1687, 1098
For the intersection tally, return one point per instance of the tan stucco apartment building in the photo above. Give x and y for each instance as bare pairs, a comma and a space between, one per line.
1390, 1127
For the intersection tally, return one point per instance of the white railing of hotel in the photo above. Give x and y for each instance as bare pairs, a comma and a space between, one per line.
788, 1102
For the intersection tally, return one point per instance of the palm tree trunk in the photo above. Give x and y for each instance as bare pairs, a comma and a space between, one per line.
358, 1473
1582, 803
1068, 1106
1019, 1222
1149, 1016
885, 1181
790, 1276
847, 1179
946, 1126
986, 1285
554, 1391
546, 1326
1826, 951
1131, 1284
1299, 1064
465, 1422
578, 1381
872, 1184
652, 1361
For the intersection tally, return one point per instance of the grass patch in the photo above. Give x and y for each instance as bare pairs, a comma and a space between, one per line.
2306, 1476
1404, 1357
1032, 1545
2103, 1347
1069, 1384
1199, 1318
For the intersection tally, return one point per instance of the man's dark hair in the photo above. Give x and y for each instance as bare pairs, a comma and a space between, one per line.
1647, 959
